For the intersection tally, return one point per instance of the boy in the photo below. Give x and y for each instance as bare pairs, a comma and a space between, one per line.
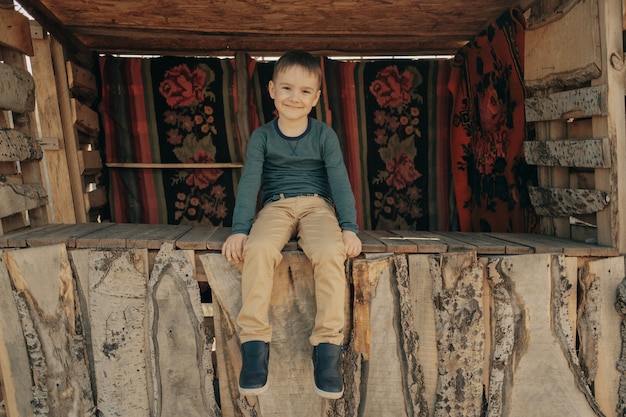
306, 193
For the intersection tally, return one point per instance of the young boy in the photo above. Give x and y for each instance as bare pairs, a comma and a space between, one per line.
297, 161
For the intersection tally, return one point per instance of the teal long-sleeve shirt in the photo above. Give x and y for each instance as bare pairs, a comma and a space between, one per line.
310, 163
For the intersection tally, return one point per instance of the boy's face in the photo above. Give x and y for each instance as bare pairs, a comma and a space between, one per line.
295, 92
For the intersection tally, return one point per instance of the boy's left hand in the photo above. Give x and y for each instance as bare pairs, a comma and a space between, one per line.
352, 243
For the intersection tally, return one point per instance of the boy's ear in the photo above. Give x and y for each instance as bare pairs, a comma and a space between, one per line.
271, 88
317, 97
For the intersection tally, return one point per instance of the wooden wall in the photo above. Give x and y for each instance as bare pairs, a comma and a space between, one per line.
574, 71
46, 109
121, 332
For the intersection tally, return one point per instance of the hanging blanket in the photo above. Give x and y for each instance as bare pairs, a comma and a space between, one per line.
169, 110
488, 130
392, 117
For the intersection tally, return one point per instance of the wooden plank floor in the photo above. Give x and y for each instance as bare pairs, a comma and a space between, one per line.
111, 235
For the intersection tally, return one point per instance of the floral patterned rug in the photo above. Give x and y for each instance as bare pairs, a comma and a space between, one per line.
488, 130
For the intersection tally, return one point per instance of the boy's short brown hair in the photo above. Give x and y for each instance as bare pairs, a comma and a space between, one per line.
301, 59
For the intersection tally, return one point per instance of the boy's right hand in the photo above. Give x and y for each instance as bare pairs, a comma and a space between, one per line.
232, 248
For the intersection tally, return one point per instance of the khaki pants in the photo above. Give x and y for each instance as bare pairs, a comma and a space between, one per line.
314, 221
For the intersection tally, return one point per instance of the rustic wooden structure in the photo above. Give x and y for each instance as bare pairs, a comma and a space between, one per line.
106, 318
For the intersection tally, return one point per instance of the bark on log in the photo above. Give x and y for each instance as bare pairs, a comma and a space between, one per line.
17, 383
457, 292
600, 341
18, 89
533, 353
557, 202
45, 289
17, 146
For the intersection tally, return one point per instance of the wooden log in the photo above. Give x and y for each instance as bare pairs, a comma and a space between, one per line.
583, 102
459, 318
558, 202
44, 283
118, 282
182, 369
16, 198
590, 153
566, 52
292, 314
533, 355
600, 342
96, 199
17, 382
18, 89
15, 31
17, 146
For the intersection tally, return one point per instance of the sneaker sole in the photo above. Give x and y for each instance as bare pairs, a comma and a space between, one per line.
253, 391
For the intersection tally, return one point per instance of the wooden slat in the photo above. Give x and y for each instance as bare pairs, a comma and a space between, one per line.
18, 146
15, 31
371, 244
82, 83
561, 202
15, 198
196, 238
18, 89
566, 52
590, 153
64, 233
89, 162
511, 247
394, 242
85, 119
51, 127
583, 102
155, 236
426, 242
483, 243
95, 199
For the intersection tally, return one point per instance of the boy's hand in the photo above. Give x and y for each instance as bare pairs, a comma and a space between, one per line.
232, 248
352, 243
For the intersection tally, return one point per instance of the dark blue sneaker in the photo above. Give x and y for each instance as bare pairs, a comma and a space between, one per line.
255, 356
327, 370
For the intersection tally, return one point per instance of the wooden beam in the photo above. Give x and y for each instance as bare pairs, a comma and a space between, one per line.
82, 83
582, 102
17, 146
183, 165
18, 89
69, 133
85, 119
89, 162
612, 222
559, 202
590, 153
15, 31
58, 176
16, 198
565, 52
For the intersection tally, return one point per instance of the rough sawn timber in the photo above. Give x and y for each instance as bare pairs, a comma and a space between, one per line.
536, 359
18, 89
45, 296
182, 371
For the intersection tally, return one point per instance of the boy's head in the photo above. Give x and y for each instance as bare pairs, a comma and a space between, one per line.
301, 59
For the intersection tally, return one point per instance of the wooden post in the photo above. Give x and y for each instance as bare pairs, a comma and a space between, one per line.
612, 221
71, 141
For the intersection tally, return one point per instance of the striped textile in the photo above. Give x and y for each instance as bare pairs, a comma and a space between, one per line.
169, 110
